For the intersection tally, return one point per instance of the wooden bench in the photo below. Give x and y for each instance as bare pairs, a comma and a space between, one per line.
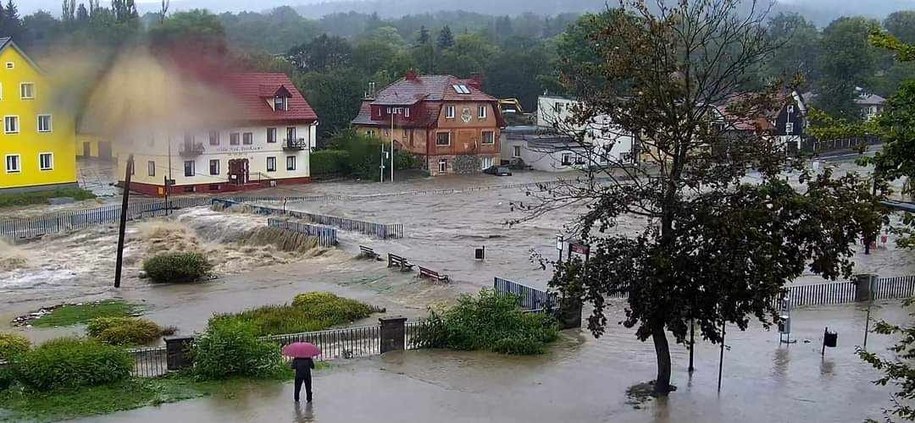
431, 274
398, 261
367, 252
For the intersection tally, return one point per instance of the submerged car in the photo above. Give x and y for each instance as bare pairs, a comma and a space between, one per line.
498, 171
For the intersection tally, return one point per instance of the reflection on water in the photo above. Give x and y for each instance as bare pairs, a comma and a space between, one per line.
304, 414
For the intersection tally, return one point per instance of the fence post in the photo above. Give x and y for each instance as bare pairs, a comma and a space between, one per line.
393, 334
863, 286
177, 353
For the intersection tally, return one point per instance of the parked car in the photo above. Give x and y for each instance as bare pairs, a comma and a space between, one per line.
498, 171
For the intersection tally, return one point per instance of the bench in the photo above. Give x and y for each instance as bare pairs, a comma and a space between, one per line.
368, 253
431, 274
398, 261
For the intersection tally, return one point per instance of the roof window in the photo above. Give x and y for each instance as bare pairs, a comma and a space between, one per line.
461, 89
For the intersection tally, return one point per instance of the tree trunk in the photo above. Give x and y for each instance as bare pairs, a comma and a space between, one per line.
662, 351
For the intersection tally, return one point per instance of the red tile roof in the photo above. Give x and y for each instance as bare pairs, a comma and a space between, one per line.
254, 93
426, 118
409, 91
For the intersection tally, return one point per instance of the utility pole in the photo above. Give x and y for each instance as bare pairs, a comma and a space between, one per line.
393, 112
123, 228
168, 139
382, 163
692, 344
721, 357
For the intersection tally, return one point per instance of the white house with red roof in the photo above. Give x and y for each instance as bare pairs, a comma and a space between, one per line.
261, 136
449, 122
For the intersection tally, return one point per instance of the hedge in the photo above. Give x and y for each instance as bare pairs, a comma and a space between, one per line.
327, 162
71, 363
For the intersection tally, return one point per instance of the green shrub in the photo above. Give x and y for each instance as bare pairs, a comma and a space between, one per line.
177, 267
42, 197
125, 330
72, 362
6, 377
229, 349
308, 312
490, 321
325, 162
12, 345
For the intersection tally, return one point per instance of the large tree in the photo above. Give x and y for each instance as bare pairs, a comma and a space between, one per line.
715, 249
798, 42
848, 62
321, 54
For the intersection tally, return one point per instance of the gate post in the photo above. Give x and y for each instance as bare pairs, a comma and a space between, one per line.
570, 310
393, 334
864, 286
177, 353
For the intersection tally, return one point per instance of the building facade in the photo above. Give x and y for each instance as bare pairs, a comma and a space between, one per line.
542, 150
37, 144
448, 122
608, 143
268, 143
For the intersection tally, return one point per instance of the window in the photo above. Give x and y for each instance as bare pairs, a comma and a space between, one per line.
44, 123
189, 168
443, 138
233, 138
290, 162
46, 161
214, 137
625, 157
290, 133
489, 137
27, 90
516, 151
11, 124
461, 89
214, 167
443, 166
247, 138
12, 164
151, 168
557, 107
370, 132
271, 164
789, 128
579, 160
482, 113
406, 112
566, 159
449, 112
271, 135
486, 163
280, 104
10, 65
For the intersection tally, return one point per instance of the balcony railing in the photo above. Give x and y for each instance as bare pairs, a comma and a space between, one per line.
191, 150
295, 144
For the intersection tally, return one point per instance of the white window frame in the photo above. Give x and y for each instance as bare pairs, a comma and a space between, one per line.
789, 128
50, 161
443, 165
6, 127
50, 127
482, 113
294, 164
22, 86
274, 132
563, 161
450, 112
442, 145
483, 138
406, 112
269, 160
151, 167
211, 167
516, 151
6, 163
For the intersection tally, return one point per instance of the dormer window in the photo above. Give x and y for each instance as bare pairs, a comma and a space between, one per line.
280, 103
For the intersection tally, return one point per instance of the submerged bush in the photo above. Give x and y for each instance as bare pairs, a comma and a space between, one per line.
125, 330
177, 267
12, 345
230, 348
490, 321
308, 312
71, 363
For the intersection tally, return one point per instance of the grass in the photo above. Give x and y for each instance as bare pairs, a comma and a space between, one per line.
309, 312
17, 405
73, 314
42, 197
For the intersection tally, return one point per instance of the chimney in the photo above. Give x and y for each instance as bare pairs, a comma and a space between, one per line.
476, 81
411, 75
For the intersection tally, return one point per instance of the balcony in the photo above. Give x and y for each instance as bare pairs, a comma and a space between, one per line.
191, 150
295, 144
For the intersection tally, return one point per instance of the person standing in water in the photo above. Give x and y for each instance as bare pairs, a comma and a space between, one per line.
302, 367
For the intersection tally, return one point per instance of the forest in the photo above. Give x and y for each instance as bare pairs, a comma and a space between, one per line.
334, 58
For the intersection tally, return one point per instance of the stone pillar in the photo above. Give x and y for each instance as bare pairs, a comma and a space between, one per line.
863, 285
393, 334
177, 353
569, 315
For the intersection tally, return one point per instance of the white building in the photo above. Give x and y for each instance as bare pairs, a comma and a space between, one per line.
267, 144
611, 145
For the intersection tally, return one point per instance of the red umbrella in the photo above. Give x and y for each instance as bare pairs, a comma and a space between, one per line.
301, 350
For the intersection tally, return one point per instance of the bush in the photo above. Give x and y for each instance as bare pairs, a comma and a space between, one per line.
228, 349
71, 363
12, 345
6, 377
177, 267
325, 162
490, 321
42, 197
125, 330
308, 312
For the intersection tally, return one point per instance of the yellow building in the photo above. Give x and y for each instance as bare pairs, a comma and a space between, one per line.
38, 139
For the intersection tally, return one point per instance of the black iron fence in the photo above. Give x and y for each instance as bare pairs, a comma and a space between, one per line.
352, 342
326, 236
531, 299
150, 361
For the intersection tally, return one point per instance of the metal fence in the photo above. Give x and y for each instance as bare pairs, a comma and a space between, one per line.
531, 299
326, 236
894, 288
821, 294
150, 361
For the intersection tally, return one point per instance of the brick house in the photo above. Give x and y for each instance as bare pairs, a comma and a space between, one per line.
449, 122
